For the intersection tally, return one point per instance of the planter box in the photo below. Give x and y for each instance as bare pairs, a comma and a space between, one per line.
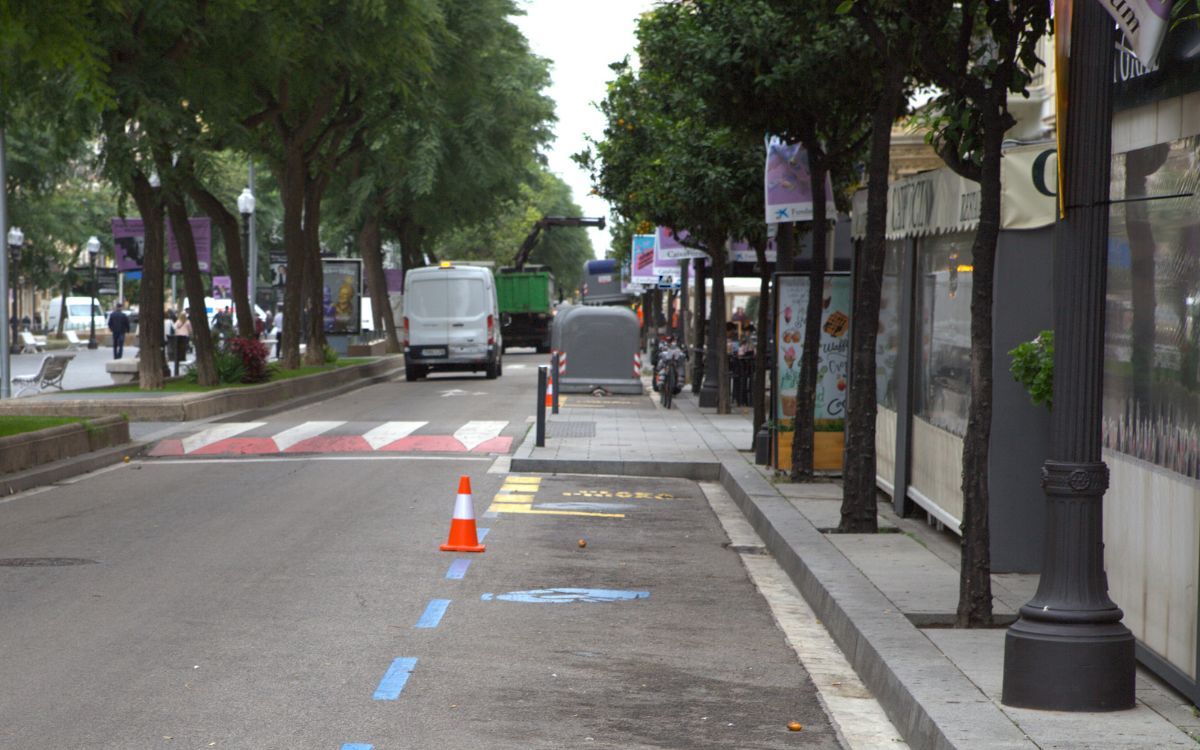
29, 449
827, 451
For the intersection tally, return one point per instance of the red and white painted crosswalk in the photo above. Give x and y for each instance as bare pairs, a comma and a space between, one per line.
258, 438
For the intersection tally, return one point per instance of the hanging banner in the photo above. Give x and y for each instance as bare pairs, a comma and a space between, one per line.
1029, 179
342, 289
741, 252
642, 260
1144, 24
670, 248
788, 185
222, 287
129, 243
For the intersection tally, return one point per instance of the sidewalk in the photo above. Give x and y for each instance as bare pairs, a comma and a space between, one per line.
885, 598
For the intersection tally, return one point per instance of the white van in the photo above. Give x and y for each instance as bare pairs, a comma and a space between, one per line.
451, 321
78, 318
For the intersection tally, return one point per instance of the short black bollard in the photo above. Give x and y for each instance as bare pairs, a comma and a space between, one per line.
541, 407
556, 375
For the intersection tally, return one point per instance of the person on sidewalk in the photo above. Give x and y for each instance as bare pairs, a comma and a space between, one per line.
278, 325
183, 334
118, 325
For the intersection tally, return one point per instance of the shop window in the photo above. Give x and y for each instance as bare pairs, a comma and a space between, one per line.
887, 340
1152, 326
943, 368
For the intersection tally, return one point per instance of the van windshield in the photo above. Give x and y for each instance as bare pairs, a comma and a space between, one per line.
81, 311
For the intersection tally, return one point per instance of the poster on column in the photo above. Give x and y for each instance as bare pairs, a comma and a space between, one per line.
642, 267
833, 363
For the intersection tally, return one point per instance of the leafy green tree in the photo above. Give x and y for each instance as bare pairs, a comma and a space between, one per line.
988, 51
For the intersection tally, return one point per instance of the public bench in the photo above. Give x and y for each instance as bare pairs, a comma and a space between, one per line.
49, 374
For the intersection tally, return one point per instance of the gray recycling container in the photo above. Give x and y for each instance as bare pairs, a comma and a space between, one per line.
601, 349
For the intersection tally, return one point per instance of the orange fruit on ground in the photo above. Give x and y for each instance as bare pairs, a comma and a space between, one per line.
795, 726
582, 543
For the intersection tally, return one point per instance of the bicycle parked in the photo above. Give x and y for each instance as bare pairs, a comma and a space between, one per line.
669, 374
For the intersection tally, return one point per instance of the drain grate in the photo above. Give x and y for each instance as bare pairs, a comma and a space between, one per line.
44, 562
571, 429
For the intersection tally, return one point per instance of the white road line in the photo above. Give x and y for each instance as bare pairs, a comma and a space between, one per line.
390, 432
474, 433
300, 432
855, 714
220, 431
308, 459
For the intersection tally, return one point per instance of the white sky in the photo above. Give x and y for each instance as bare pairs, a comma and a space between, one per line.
581, 38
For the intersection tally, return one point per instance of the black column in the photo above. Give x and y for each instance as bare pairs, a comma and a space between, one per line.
1069, 650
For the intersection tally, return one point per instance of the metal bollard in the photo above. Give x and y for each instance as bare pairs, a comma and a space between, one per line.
540, 442
557, 375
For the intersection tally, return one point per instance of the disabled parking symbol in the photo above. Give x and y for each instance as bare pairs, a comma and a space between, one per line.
567, 596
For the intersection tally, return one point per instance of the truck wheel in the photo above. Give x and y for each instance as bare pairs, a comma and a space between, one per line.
493, 371
413, 372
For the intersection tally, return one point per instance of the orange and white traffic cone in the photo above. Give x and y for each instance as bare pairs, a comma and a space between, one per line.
549, 389
462, 526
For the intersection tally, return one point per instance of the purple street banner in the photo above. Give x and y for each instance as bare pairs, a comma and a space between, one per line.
222, 287
788, 185
1144, 24
342, 290
670, 249
129, 240
642, 263
742, 252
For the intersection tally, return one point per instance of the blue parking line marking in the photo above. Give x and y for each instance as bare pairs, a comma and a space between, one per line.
481, 533
393, 682
458, 569
357, 746
433, 613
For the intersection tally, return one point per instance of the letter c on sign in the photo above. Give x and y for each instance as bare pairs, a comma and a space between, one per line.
1039, 172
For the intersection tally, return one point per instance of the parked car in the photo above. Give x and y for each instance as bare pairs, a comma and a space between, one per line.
451, 321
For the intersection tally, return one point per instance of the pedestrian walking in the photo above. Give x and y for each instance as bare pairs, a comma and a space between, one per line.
278, 325
183, 334
118, 325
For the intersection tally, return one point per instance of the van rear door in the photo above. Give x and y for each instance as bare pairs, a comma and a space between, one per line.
427, 307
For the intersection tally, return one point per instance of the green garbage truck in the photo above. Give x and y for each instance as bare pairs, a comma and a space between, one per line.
526, 299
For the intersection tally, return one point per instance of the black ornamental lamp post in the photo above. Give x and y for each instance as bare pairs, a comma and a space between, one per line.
1069, 651
93, 251
245, 204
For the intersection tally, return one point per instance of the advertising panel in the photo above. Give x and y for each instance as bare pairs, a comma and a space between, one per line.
788, 186
833, 363
342, 289
642, 268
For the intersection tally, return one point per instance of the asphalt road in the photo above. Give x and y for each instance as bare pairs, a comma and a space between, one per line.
301, 601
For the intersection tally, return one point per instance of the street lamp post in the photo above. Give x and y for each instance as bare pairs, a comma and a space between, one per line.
245, 204
93, 250
16, 239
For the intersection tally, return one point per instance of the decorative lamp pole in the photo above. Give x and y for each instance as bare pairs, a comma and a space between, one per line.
16, 239
245, 204
1069, 650
93, 250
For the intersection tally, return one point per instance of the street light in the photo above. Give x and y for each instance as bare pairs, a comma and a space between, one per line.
93, 250
16, 239
245, 204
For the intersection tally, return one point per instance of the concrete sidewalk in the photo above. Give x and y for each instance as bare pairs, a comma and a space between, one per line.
885, 598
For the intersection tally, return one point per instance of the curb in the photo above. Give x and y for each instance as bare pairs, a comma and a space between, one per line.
191, 406
67, 468
30, 450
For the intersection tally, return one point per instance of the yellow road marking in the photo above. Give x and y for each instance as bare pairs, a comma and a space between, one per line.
538, 512
523, 480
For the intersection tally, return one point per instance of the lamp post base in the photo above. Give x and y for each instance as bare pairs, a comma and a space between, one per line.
1055, 666
92, 344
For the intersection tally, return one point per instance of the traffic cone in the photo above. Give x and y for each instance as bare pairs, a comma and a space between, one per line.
549, 389
462, 526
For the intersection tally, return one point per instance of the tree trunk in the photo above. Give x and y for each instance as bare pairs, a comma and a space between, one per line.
150, 298
785, 246
701, 326
228, 225
806, 388
370, 246
761, 339
291, 188
314, 275
975, 574
716, 250
858, 489
206, 368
